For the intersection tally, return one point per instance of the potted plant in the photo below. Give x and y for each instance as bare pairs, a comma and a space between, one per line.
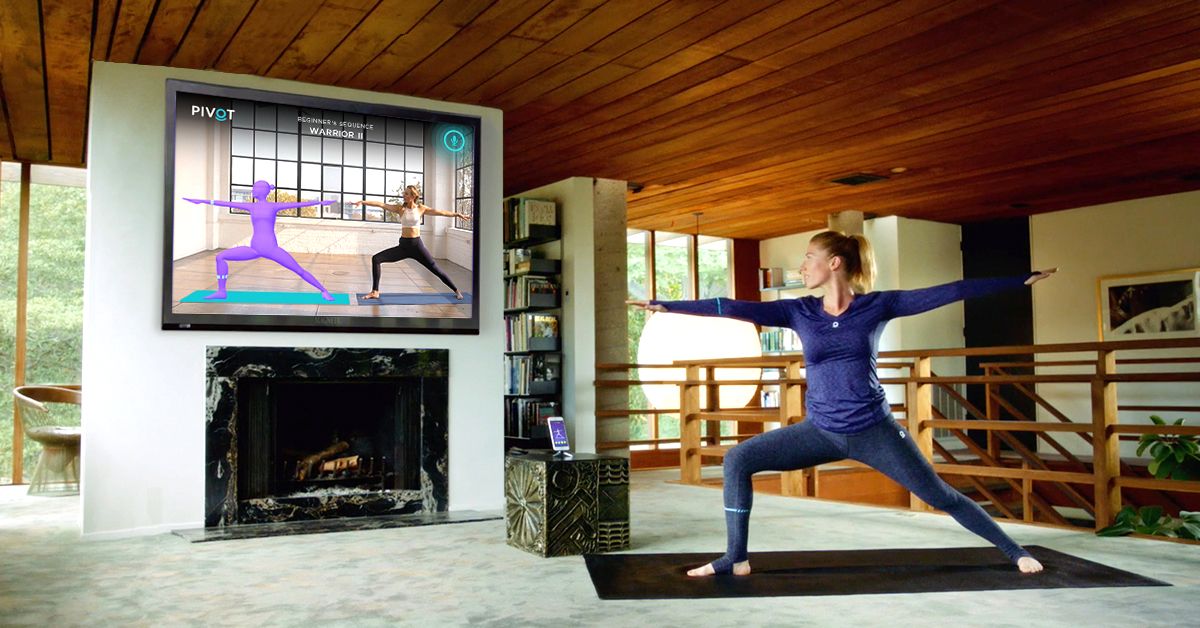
1175, 457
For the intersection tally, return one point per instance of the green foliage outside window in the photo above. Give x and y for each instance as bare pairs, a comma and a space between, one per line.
55, 299
672, 283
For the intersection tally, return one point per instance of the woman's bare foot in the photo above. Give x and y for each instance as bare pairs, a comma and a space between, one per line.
1028, 564
458, 295
374, 294
739, 569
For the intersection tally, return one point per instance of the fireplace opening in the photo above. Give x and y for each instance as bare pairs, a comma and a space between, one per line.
306, 438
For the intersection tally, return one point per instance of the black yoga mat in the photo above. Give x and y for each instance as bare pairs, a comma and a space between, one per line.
663, 576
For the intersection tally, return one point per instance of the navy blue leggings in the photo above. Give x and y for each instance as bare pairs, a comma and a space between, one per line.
885, 447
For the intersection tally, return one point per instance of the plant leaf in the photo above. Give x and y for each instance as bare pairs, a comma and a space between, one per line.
1151, 514
1127, 516
1156, 419
1118, 529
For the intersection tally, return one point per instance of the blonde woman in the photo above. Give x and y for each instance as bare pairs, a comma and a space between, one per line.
848, 415
410, 246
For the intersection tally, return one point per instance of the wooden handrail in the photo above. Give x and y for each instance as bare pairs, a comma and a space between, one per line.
1019, 474
1075, 347
1009, 426
1105, 472
1157, 484
1159, 408
1181, 430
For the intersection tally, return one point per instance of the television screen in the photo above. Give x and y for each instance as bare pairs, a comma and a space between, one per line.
290, 212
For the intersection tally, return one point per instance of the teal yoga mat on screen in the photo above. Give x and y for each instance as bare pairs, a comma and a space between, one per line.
284, 298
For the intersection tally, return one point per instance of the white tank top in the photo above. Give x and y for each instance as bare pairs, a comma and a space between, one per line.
409, 218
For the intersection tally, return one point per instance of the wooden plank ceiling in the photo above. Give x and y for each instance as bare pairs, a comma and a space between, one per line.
744, 110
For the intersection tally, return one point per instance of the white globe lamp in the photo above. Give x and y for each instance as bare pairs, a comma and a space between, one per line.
669, 337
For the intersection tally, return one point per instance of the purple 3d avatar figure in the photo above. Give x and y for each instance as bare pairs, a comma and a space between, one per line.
262, 239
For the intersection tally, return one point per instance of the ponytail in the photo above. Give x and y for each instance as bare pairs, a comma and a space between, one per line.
857, 256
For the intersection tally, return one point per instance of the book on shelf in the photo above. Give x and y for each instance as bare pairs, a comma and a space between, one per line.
536, 374
776, 339
770, 277
529, 331
523, 415
530, 291
539, 212
527, 217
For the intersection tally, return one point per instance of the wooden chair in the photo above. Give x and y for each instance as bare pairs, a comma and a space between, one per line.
57, 471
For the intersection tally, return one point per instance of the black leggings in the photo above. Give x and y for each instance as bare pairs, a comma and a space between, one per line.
409, 248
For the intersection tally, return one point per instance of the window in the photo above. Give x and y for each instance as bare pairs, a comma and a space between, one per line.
464, 182
54, 332
714, 267
670, 257
277, 144
672, 266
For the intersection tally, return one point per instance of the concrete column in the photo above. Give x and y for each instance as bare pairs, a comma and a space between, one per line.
612, 333
848, 222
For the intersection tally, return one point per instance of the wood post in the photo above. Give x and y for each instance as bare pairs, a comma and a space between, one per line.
1106, 451
919, 408
689, 427
993, 446
1026, 495
712, 393
18, 441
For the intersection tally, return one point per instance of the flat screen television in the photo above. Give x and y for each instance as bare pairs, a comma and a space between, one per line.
291, 212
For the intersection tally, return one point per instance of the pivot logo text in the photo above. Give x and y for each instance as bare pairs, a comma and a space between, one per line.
218, 114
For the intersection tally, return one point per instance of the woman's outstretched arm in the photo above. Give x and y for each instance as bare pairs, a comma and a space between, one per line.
438, 212
770, 313
909, 302
395, 209
235, 205
282, 206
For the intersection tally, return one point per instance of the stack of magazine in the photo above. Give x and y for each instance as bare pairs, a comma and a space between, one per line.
530, 291
531, 332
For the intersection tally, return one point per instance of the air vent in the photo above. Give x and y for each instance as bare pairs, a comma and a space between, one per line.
859, 178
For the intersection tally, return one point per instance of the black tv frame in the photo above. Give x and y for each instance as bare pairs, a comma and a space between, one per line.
263, 322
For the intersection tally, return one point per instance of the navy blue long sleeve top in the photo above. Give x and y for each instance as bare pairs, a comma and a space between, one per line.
840, 352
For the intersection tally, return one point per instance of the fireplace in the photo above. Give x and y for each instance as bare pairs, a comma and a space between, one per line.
301, 434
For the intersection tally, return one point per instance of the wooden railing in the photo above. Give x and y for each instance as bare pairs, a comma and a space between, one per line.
1101, 470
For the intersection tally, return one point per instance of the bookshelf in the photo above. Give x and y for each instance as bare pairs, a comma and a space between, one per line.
533, 356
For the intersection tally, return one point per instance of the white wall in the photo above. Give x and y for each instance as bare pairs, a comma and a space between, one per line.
143, 444
1142, 235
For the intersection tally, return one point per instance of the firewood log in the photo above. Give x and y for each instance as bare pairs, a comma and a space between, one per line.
308, 464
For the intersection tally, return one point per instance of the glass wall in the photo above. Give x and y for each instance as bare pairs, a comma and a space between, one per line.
674, 269
54, 306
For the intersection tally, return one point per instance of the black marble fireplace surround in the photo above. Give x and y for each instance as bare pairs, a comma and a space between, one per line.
390, 405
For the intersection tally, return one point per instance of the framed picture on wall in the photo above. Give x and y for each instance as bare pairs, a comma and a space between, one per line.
1149, 306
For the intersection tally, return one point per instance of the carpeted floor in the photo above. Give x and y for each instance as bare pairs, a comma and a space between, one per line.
464, 574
